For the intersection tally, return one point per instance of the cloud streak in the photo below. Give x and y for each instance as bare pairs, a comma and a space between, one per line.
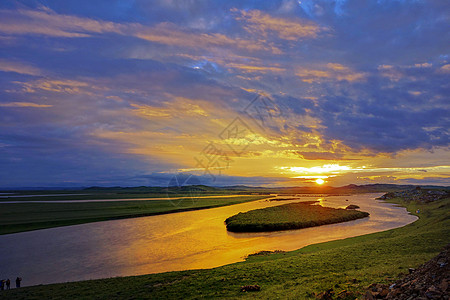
263, 24
24, 104
18, 67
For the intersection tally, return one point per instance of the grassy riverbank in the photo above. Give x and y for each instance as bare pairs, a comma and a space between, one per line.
290, 216
18, 217
350, 264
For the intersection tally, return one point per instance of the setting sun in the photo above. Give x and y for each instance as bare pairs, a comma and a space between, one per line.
320, 181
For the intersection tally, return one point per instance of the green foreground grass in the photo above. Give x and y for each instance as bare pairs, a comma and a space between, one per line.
378, 257
18, 217
290, 216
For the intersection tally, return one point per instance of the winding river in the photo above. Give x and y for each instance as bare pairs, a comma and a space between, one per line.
178, 241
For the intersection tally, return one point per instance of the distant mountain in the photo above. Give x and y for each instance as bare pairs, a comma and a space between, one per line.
351, 188
239, 189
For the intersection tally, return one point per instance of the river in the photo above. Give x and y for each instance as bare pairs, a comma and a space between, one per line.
171, 242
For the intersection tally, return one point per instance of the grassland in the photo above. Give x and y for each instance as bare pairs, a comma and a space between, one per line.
17, 217
350, 264
290, 216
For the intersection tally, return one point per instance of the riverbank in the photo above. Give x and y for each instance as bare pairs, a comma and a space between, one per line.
290, 216
20, 217
350, 264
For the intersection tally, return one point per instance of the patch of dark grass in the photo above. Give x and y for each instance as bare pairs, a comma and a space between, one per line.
264, 253
352, 206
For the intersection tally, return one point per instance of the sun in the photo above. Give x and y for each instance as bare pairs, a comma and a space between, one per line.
320, 181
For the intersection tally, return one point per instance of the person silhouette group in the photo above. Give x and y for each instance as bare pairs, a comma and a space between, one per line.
6, 284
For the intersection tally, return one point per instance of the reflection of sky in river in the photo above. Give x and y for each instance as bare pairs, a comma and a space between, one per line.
187, 240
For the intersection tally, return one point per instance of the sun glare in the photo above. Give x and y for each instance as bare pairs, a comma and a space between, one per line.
320, 181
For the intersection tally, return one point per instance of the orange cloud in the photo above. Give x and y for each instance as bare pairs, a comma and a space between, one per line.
177, 108
415, 93
445, 69
253, 68
390, 72
46, 22
168, 34
331, 71
261, 23
24, 104
423, 65
56, 85
18, 67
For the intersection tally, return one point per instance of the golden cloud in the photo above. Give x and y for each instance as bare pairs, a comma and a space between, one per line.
24, 104
390, 72
261, 23
330, 71
177, 108
445, 68
46, 22
55, 85
168, 34
18, 67
256, 69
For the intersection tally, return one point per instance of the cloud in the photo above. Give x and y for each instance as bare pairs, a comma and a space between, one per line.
24, 104
390, 72
445, 68
54, 85
46, 22
423, 65
320, 155
168, 34
180, 107
18, 67
263, 24
255, 68
331, 71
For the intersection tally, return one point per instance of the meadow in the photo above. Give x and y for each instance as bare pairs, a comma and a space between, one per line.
290, 216
350, 264
18, 217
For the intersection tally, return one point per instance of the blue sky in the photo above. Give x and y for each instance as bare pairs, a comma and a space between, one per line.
134, 92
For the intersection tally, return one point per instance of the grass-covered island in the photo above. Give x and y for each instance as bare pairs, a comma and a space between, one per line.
290, 216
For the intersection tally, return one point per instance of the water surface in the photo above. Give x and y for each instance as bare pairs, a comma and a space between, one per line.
178, 241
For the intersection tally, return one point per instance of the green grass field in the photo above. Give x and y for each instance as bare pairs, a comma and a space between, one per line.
290, 216
17, 217
350, 264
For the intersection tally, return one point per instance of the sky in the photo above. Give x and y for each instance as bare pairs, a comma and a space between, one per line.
261, 93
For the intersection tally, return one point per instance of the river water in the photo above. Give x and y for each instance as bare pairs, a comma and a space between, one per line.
178, 241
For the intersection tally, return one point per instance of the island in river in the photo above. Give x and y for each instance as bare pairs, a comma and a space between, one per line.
290, 216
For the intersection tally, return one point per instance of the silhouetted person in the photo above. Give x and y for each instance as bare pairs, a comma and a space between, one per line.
8, 284
18, 280
2, 284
